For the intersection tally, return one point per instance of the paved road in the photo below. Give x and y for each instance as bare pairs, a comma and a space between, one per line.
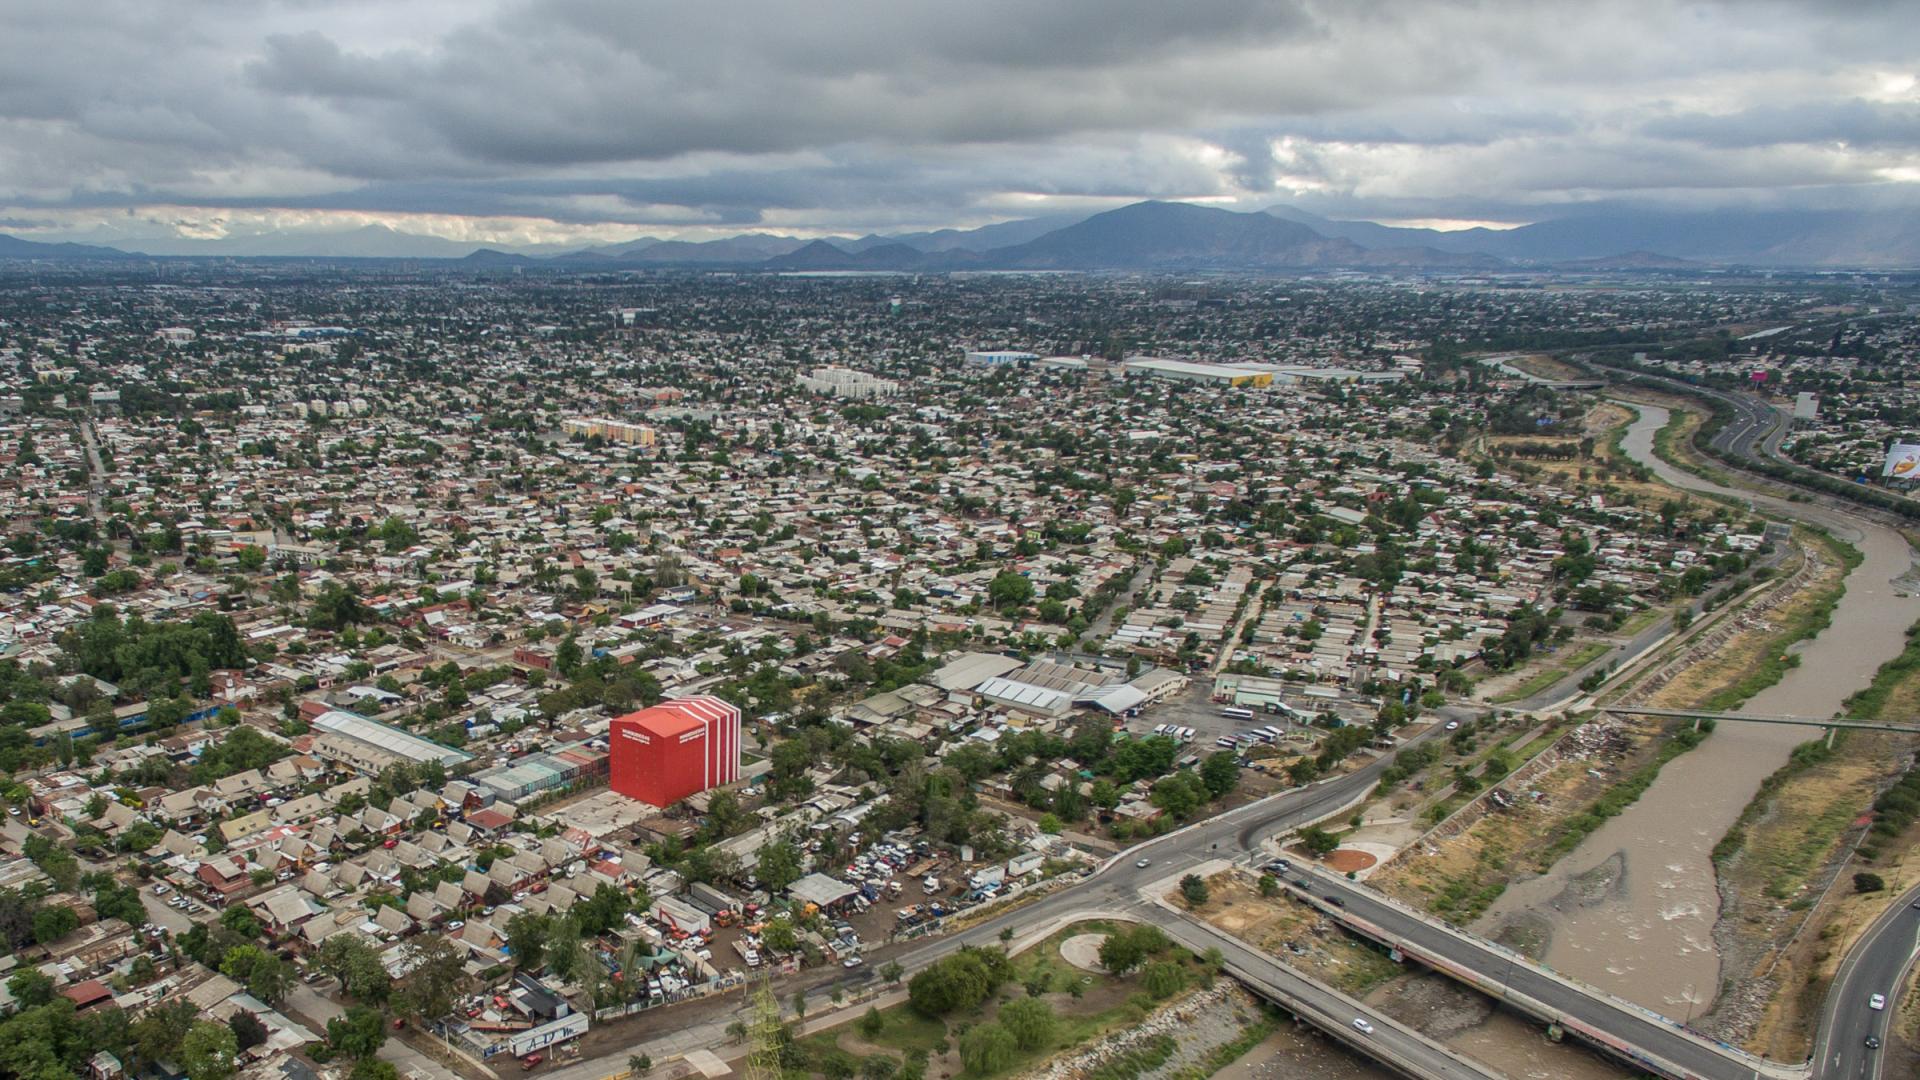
1660, 1044
1876, 964
1118, 890
1385, 1040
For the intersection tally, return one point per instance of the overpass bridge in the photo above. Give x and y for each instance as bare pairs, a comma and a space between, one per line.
1644, 1039
1753, 718
1384, 1040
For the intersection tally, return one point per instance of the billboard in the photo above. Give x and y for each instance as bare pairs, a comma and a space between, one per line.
1903, 462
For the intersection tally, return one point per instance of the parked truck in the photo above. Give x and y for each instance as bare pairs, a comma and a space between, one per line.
987, 877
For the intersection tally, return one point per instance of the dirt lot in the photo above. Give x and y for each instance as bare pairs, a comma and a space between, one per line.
1546, 367
1296, 934
1459, 876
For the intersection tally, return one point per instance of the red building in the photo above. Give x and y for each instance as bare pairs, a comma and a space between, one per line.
675, 749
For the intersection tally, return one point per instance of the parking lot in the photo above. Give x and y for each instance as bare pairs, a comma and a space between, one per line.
1191, 708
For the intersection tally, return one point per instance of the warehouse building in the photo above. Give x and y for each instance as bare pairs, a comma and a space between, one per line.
540, 772
370, 746
675, 749
1154, 367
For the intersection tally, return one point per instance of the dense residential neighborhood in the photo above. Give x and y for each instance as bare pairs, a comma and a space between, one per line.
357, 626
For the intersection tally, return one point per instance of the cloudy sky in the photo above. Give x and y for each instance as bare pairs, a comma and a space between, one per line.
571, 121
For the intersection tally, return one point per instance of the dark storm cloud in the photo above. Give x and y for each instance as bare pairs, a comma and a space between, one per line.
1856, 123
755, 112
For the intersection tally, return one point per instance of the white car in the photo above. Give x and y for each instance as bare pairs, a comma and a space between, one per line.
1877, 1001
1144, 863
1360, 1025
1452, 724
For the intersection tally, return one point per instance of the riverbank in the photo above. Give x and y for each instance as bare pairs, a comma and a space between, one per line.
1647, 894
1789, 913
1603, 768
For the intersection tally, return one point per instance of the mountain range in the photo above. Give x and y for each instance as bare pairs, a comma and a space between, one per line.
1163, 236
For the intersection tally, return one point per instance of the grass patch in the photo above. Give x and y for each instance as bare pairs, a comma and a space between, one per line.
1110, 1004
1788, 863
1805, 624
1679, 430
906, 1031
1554, 672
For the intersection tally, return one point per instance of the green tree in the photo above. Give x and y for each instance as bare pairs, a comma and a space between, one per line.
358, 1032
352, 960
779, 865
1030, 1021
436, 978
30, 988
1010, 590
1193, 890
1221, 773
987, 1048
527, 938
209, 1051
1163, 978
265, 975
1317, 840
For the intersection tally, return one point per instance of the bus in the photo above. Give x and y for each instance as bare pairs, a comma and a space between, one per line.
1270, 732
1237, 714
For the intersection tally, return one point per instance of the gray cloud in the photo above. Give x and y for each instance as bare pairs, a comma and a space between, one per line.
920, 114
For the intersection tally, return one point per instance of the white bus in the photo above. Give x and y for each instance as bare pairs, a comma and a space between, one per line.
1237, 714
1270, 732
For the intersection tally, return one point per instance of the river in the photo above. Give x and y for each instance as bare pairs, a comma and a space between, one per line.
1631, 910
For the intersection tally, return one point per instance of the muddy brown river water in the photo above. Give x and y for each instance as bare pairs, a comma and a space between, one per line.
1631, 910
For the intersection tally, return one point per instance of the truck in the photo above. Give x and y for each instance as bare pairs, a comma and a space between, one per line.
565, 1029
987, 877
707, 896
682, 917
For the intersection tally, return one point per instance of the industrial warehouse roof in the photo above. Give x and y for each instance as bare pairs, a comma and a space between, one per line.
820, 890
971, 669
1114, 699
392, 740
1026, 696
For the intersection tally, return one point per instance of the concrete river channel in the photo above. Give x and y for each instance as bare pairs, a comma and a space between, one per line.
1632, 909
